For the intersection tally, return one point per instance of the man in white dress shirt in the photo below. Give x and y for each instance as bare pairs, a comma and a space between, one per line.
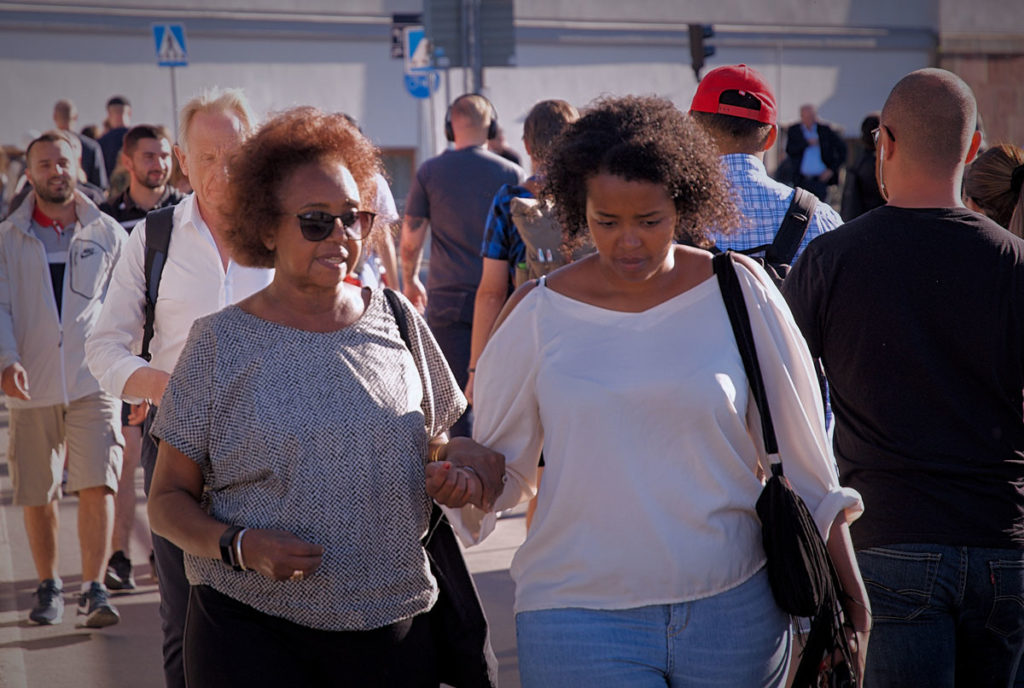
199, 278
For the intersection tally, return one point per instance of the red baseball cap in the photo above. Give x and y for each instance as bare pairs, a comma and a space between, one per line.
735, 78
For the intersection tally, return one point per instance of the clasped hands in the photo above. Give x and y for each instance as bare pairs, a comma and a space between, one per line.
469, 474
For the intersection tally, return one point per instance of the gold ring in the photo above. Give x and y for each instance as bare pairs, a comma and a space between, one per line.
297, 575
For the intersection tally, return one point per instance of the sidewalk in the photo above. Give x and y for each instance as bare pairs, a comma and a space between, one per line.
128, 654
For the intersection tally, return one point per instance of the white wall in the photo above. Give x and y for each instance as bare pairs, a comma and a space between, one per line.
89, 58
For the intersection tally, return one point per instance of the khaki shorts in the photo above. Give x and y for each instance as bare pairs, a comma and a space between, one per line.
87, 431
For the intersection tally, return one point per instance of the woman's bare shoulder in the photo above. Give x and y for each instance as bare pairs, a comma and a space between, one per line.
517, 296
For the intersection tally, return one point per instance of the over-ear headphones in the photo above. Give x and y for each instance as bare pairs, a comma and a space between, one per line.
492, 128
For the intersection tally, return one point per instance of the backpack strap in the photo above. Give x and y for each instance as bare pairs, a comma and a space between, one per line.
158, 240
793, 228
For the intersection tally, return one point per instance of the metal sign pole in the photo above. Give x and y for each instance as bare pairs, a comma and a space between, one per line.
174, 102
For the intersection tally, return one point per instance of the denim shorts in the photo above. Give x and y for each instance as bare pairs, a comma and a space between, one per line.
736, 638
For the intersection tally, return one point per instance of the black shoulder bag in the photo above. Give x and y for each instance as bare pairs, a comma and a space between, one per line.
462, 640
803, 579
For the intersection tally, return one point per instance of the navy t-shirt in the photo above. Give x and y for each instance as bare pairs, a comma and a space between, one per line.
918, 317
454, 192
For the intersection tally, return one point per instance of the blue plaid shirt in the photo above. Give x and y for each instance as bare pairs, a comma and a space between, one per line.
763, 203
501, 238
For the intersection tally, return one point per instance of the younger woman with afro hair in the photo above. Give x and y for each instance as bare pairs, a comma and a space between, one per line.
644, 564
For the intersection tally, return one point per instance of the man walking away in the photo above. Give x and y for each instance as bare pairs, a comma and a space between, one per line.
736, 106
917, 311
452, 193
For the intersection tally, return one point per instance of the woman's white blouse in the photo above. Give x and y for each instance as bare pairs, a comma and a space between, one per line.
651, 443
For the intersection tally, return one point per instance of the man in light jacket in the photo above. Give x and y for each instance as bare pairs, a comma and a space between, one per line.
57, 253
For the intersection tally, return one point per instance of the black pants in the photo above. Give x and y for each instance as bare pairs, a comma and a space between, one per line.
229, 644
170, 571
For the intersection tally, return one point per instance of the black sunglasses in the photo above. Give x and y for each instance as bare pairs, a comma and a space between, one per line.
317, 225
877, 130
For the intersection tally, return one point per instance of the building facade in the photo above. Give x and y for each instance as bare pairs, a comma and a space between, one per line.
843, 57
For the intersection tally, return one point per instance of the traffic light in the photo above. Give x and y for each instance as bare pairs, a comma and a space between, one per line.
698, 50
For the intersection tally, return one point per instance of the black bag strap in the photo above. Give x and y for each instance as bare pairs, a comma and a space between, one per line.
399, 312
793, 228
158, 239
739, 318
403, 329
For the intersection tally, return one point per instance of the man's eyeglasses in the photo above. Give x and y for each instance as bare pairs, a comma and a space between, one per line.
317, 225
877, 130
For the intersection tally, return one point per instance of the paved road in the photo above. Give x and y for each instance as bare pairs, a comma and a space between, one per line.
128, 654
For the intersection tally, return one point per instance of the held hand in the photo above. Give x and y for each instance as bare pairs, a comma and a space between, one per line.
138, 413
417, 295
488, 465
452, 486
14, 381
859, 648
279, 555
857, 641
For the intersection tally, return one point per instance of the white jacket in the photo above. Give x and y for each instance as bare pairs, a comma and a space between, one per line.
31, 331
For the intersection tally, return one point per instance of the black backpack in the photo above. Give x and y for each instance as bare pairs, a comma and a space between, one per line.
158, 239
778, 255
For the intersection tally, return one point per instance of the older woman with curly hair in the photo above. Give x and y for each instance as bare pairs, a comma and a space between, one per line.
644, 563
295, 431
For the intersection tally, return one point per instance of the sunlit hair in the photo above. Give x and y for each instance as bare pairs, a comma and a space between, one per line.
988, 182
266, 161
545, 121
642, 139
474, 108
231, 100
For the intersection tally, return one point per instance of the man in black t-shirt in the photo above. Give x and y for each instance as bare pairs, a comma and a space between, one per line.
917, 312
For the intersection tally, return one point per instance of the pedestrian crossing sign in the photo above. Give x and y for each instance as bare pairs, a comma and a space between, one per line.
170, 45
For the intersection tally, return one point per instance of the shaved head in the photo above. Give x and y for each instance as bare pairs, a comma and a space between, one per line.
932, 115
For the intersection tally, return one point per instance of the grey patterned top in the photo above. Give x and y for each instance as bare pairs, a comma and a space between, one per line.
323, 434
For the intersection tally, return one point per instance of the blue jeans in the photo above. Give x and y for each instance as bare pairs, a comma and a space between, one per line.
736, 638
943, 616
